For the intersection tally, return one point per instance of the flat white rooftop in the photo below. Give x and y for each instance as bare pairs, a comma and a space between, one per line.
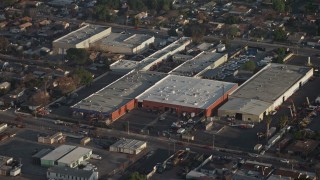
82, 34
58, 152
197, 64
248, 106
120, 92
271, 82
74, 155
124, 65
186, 91
124, 40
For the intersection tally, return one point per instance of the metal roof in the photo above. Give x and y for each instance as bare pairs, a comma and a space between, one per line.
82, 34
71, 172
129, 144
58, 152
74, 155
118, 93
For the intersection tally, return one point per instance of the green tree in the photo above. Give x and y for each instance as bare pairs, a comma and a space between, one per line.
172, 32
232, 20
77, 55
136, 22
65, 85
298, 135
114, 4
84, 76
8, 2
281, 53
136, 5
137, 176
103, 10
152, 4
279, 5
106, 62
249, 66
233, 31
280, 34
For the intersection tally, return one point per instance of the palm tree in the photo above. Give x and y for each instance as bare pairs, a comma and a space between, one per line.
283, 121
268, 122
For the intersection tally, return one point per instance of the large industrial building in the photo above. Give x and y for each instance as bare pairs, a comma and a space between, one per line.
117, 98
75, 157
120, 43
129, 146
265, 91
186, 94
158, 56
66, 156
200, 63
80, 38
51, 158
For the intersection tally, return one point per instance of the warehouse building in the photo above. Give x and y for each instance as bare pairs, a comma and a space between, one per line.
186, 94
128, 44
118, 98
265, 91
36, 158
63, 173
51, 158
128, 146
160, 55
80, 38
75, 157
200, 63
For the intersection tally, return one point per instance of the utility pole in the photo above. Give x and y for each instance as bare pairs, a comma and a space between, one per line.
213, 138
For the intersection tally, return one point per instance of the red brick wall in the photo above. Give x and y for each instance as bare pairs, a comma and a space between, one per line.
123, 110
219, 101
161, 106
180, 109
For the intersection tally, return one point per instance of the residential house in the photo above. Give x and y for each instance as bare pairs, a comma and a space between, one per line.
240, 10
315, 42
286, 174
296, 37
61, 25
141, 15
60, 73
26, 19
3, 24
311, 18
4, 85
303, 148
44, 22
24, 26
252, 170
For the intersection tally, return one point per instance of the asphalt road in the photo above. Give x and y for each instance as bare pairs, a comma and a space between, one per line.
154, 142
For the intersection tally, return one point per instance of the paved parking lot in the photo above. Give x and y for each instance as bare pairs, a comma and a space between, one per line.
302, 60
146, 122
21, 149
